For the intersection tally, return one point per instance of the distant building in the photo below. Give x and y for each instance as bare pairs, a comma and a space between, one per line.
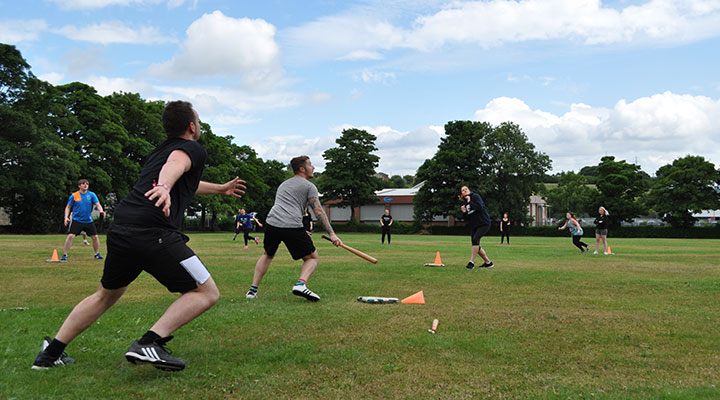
538, 210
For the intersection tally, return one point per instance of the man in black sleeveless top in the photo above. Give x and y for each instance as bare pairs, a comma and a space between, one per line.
145, 236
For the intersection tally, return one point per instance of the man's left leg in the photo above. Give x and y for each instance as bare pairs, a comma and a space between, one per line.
310, 262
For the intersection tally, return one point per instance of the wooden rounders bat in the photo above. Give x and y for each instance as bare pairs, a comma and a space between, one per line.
354, 251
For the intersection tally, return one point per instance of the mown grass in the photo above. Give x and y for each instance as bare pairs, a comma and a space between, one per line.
546, 323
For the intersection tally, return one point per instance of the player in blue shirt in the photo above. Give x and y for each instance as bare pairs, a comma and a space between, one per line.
243, 222
81, 204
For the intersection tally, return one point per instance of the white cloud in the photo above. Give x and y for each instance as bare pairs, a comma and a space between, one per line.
17, 31
496, 22
94, 4
52, 77
654, 130
284, 148
106, 86
369, 76
114, 32
361, 55
221, 46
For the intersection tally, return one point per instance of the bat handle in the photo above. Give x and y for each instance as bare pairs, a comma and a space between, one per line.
326, 237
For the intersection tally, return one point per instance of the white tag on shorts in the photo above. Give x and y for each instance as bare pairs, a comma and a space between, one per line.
196, 269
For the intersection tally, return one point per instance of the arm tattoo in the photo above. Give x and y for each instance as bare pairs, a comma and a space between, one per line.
320, 215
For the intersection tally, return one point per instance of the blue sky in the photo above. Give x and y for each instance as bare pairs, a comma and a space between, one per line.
583, 78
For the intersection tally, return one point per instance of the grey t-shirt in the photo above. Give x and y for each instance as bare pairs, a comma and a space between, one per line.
290, 202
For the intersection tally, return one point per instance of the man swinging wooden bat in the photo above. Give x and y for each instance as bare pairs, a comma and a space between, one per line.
284, 224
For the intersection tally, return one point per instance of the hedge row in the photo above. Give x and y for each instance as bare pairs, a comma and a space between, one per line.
711, 232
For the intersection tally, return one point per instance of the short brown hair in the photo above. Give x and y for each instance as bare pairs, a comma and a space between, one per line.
81, 181
176, 117
298, 162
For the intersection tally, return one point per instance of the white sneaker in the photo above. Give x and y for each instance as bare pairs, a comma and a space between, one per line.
251, 295
86, 243
606, 253
303, 291
595, 252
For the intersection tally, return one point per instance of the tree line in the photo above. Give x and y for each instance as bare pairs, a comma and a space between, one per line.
54, 135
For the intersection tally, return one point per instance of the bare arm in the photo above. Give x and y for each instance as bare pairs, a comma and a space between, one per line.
67, 215
178, 163
257, 222
577, 224
99, 207
563, 227
322, 217
230, 188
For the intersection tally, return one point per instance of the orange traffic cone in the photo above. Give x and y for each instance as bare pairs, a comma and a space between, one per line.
54, 257
417, 298
609, 251
437, 263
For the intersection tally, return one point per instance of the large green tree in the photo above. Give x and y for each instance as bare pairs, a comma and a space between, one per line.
350, 170
688, 185
499, 163
620, 186
36, 166
572, 194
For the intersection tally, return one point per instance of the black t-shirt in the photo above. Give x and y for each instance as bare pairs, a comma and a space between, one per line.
386, 219
475, 209
306, 222
601, 221
136, 209
505, 224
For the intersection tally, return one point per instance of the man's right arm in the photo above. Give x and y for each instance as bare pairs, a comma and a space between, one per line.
178, 162
66, 220
323, 218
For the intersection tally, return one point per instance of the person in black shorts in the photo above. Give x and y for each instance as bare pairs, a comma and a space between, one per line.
601, 230
145, 236
386, 223
474, 209
78, 218
284, 224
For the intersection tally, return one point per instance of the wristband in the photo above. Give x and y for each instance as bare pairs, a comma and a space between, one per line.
161, 184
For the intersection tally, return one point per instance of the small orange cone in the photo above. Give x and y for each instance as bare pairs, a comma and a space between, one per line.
437, 263
54, 257
417, 298
609, 251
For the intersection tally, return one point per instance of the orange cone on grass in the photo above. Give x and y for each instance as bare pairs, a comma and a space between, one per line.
437, 263
417, 298
609, 251
54, 257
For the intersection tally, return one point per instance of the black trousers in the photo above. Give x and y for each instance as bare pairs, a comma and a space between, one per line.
386, 230
505, 233
577, 242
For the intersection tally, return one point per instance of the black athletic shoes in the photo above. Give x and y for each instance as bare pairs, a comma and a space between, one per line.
155, 354
45, 360
303, 291
470, 265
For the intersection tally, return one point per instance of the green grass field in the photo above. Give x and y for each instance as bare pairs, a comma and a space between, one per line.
547, 322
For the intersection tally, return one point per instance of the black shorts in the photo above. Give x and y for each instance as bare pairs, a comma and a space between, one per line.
297, 241
477, 232
77, 227
161, 253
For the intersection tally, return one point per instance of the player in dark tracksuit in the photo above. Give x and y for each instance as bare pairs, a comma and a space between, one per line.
386, 223
474, 209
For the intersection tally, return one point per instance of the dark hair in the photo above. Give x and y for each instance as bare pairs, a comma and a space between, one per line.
176, 117
81, 181
298, 162
572, 215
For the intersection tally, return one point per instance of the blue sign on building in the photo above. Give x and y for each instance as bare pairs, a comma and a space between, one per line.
387, 199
